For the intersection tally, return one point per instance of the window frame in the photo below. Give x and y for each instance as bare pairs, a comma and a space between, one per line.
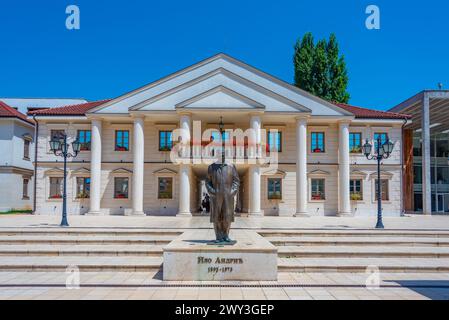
168, 145
271, 198
25, 189
117, 148
375, 140
278, 132
159, 189
55, 196
322, 198
317, 133
351, 140
84, 143
115, 188
77, 197
353, 186
387, 193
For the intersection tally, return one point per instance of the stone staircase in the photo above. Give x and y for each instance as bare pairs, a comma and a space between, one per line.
89, 250
355, 250
54, 249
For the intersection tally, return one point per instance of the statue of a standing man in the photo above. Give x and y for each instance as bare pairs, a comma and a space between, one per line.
223, 185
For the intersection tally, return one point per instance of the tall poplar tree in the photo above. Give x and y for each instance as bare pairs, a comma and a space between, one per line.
320, 69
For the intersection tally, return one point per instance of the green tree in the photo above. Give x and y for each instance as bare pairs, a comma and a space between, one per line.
320, 69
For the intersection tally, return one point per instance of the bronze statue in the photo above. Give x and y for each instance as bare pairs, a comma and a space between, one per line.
222, 184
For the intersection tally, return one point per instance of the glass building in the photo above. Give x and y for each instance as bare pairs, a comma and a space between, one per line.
426, 152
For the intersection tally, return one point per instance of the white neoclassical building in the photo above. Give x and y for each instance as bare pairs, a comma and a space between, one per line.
125, 166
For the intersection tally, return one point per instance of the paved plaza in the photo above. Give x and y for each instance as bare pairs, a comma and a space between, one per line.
308, 285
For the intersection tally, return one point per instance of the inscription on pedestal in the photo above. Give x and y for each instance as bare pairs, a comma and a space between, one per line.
190, 257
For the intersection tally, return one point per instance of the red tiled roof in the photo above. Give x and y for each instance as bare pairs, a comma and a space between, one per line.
73, 110
9, 112
363, 113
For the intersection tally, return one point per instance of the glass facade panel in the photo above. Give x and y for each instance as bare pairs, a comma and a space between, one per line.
439, 171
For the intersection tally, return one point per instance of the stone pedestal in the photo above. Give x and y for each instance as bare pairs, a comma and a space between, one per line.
192, 257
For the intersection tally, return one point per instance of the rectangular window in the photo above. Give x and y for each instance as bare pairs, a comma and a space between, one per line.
121, 188
165, 140
165, 190
383, 138
58, 134
355, 142
55, 188
274, 140
318, 189
82, 188
84, 137
317, 142
121, 140
25, 189
274, 189
26, 149
355, 189
384, 190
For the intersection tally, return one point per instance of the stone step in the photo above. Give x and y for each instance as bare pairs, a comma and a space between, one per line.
84, 264
80, 239
362, 252
358, 241
355, 233
405, 265
81, 250
87, 232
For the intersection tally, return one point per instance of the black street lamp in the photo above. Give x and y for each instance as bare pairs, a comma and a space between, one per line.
383, 151
60, 148
223, 149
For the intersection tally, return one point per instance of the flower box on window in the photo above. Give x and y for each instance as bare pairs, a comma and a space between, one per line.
121, 148
56, 196
356, 150
356, 197
318, 150
164, 149
121, 196
317, 197
82, 195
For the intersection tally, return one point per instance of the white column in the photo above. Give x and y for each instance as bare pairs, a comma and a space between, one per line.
95, 168
254, 191
138, 169
184, 191
254, 170
344, 170
301, 168
184, 170
426, 168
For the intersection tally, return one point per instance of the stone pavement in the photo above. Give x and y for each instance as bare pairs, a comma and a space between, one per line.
290, 286
412, 222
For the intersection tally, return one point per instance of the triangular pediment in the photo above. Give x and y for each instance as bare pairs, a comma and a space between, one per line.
319, 173
256, 87
54, 172
220, 98
164, 171
121, 171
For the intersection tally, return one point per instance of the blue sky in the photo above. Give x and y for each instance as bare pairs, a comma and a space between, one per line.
123, 45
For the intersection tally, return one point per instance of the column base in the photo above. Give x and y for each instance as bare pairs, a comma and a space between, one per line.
345, 214
255, 214
184, 214
302, 215
94, 213
135, 213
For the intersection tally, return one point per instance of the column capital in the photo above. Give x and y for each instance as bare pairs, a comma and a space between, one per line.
344, 122
303, 117
185, 113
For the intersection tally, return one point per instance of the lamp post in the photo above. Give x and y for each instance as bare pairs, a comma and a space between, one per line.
221, 126
383, 151
60, 148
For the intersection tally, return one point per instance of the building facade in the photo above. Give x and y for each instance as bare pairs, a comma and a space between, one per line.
126, 165
16, 160
426, 152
